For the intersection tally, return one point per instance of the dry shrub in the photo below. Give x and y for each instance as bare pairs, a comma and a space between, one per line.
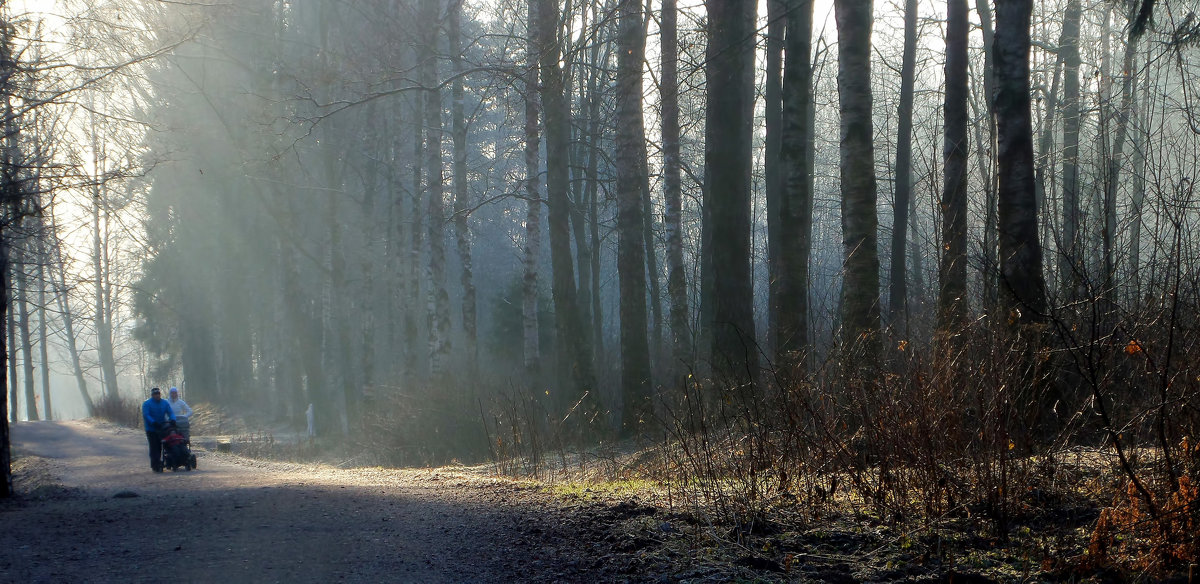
119, 410
529, 436
934, 433
209, 419
424, 425
1153, 537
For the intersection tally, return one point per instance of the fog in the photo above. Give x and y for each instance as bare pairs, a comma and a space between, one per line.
273, 204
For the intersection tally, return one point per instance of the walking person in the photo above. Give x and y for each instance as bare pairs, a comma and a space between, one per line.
183, 413
156, 411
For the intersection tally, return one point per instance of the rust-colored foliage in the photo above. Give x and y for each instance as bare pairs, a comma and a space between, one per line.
1127, 535
1134, 347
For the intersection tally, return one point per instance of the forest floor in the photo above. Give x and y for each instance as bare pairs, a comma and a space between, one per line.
88, 509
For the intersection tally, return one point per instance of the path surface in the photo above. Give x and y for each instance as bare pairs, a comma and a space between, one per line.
235, 520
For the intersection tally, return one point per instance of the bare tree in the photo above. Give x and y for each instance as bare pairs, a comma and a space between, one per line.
898, 275
575, 357
860, 285
672, 185
729, 77
631, 251
533, 200
952, 290
1070, 266
462, 228
796, 198
1023, 296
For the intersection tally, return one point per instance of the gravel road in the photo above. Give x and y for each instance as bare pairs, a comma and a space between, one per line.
90, 510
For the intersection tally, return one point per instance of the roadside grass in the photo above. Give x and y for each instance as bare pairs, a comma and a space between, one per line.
1052, 525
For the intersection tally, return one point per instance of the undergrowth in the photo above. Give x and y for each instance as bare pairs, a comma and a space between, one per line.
1065, 449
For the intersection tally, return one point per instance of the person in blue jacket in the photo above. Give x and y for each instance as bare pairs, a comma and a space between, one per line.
156, 411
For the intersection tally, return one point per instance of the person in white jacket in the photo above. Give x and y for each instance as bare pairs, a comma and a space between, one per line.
182, 412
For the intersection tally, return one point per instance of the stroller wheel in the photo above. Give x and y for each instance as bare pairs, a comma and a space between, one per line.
192, 460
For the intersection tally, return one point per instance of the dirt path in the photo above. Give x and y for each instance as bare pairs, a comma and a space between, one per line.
236, 520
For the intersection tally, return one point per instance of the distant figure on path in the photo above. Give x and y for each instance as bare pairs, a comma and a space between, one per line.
183, 412
156, 412
308, 415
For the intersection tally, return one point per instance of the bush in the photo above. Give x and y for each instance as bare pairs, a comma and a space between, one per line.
119, 410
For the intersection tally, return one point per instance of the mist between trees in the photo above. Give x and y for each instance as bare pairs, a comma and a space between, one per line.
492, 228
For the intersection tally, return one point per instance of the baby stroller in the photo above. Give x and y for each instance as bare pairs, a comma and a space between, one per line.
175, 451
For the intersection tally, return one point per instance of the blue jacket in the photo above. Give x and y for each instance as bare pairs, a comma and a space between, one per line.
155, 411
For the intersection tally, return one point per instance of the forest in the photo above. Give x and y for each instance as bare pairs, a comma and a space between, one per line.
920, 259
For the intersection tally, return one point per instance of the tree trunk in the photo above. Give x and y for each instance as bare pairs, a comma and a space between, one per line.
795, 206
1112, 175
898, 275
1098, 248
592, 193
952, 291
681, 335
860, 286
43, 346
415, 279
533, 217
576, 373
631, 256
1022, 288
986, 158
1070, 265
439, 326
777, 18
729, 123
11, 353
7, 413
64, 305
1141, 112
21, 303
461, 202
102, 304
651, 249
